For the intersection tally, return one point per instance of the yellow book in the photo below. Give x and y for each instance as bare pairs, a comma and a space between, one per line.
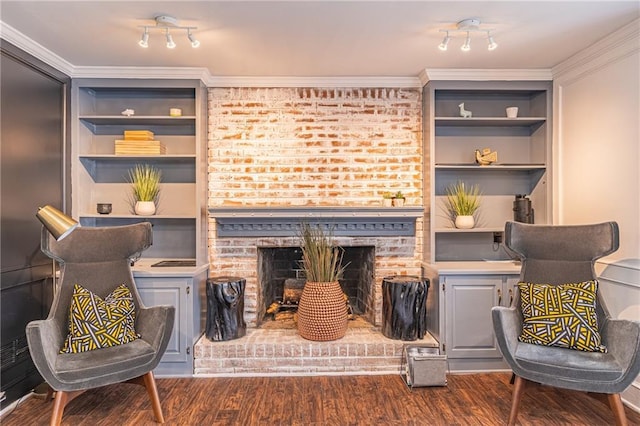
128, 142
143, 135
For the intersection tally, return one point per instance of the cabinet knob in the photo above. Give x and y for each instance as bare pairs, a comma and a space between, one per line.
499, 297
510, 296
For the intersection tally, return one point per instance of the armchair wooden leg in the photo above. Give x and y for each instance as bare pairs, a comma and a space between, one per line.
518, 390
152, 390
618, 409
61, 400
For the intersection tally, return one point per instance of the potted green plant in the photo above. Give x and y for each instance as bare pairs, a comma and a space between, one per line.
387, 199
462, 203
145, 188
322, 310
398, 199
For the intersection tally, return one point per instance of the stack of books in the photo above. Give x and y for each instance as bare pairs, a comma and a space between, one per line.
139, 142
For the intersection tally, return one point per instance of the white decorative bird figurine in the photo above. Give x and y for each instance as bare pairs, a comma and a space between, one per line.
463, 112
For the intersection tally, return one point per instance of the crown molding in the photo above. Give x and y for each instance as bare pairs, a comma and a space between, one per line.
617, 45
284, 81
186, 73
481, 74
15, 37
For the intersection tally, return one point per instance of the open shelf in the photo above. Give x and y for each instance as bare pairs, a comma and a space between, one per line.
489, 121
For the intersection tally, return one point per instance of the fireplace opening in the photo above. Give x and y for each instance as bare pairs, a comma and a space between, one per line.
281, 279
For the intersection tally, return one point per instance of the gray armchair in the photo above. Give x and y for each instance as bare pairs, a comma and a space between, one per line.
99, 260
558, 255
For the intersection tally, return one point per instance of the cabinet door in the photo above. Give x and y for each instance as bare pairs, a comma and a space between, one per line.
469, 328
168, 291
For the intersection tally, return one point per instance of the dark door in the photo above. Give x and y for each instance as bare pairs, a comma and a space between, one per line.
32, 142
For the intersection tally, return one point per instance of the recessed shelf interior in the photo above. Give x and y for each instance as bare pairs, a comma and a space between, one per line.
521, 144
172, 237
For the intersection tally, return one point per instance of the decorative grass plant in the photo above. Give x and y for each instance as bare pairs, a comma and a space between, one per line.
321, 257
145, 183
462, 200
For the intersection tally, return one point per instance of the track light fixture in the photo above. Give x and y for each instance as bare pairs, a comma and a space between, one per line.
166, 23
466, 28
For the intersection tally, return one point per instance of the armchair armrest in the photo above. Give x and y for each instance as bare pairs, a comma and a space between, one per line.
622, 339
43, 338
507, 325
155, 324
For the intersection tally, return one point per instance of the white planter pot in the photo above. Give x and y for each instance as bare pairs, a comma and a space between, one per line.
145, 208
398, 202
465, 222
387, 202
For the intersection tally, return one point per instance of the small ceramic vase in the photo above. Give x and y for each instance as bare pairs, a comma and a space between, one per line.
465, 222
145, 208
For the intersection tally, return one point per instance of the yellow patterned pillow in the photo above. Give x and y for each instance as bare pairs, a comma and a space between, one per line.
561, 315
95, 323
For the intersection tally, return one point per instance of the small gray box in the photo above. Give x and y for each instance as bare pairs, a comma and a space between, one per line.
425, 366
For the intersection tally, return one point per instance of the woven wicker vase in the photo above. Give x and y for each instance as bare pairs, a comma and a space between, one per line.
322, 312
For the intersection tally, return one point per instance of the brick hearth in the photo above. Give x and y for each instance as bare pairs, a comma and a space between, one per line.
276, 352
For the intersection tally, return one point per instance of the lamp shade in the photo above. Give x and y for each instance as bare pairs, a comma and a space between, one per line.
57, 223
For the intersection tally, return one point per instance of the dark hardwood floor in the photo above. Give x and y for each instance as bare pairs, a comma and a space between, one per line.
477, 399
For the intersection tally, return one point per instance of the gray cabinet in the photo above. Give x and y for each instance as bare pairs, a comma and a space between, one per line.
468, 324
182, 290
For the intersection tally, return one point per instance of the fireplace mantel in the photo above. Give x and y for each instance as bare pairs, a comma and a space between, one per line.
356, 221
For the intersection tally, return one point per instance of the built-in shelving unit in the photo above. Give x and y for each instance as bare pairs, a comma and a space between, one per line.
179, 225
101, 176
523, 150
469, 268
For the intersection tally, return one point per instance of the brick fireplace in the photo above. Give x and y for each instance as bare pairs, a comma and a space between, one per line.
280, 156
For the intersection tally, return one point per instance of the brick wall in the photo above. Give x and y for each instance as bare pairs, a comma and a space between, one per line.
313, 147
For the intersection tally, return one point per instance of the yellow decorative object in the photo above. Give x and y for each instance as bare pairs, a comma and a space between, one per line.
486, 157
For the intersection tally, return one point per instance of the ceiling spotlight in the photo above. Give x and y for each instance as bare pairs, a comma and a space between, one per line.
194, 43
445, 42
467, 44
492, 43
170, 43
466, 27
144, 41
166, 23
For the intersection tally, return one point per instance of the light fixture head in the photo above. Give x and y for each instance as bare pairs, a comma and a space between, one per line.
144, 41
445, 42
492, 43
57, 223
467, 44
194, 43
170, 43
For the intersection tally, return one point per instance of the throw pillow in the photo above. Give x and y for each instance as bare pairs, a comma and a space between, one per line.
561, 315
95, 323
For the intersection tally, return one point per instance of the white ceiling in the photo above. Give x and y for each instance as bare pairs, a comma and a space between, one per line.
317, 38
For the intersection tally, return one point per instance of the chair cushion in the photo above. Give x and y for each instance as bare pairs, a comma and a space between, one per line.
567, 364
95, 323
105, 363
561, 315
